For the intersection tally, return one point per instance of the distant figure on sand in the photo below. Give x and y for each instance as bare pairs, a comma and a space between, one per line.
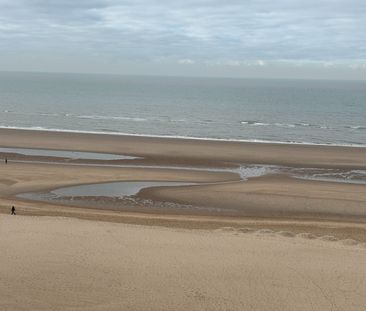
13, 210
6, 160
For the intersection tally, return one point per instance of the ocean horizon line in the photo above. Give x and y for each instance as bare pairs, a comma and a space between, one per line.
147, 75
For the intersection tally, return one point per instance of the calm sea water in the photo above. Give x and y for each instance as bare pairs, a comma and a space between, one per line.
321, 112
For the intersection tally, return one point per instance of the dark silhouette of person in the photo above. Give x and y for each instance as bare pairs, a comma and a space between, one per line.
13, 210
6, 160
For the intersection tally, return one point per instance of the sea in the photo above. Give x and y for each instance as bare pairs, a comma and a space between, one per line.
258, 110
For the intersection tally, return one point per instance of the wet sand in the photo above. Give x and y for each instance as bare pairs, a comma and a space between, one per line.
188, 151
273, 196
221, 193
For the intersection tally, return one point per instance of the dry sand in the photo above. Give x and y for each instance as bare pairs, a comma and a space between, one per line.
69, 264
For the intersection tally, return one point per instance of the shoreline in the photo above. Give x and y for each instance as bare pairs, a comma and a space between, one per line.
213, 139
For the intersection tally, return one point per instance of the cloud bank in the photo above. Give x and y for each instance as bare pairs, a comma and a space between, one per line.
102, 34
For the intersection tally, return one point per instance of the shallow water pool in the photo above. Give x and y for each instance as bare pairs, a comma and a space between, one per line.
67, 154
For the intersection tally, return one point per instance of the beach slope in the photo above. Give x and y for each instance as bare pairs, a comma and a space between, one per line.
54, 263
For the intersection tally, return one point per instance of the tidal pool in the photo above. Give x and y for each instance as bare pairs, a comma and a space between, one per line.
110, 189
67, 154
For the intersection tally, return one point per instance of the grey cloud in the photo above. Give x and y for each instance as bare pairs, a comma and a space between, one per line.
203, 31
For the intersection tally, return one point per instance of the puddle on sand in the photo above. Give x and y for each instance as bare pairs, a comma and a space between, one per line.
112, 190
81, 155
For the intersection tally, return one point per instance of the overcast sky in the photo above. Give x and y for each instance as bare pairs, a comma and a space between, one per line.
247, 38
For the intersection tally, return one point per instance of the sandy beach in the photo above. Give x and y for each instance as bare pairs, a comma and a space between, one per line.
68, 264
182, 156
272, 242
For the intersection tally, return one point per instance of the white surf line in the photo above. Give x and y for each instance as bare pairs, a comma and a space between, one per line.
257, 141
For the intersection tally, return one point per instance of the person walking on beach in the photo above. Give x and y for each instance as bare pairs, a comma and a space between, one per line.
6, 160
13, 210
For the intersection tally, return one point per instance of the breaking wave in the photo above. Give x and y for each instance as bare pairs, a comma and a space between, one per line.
98, 117
300, 124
